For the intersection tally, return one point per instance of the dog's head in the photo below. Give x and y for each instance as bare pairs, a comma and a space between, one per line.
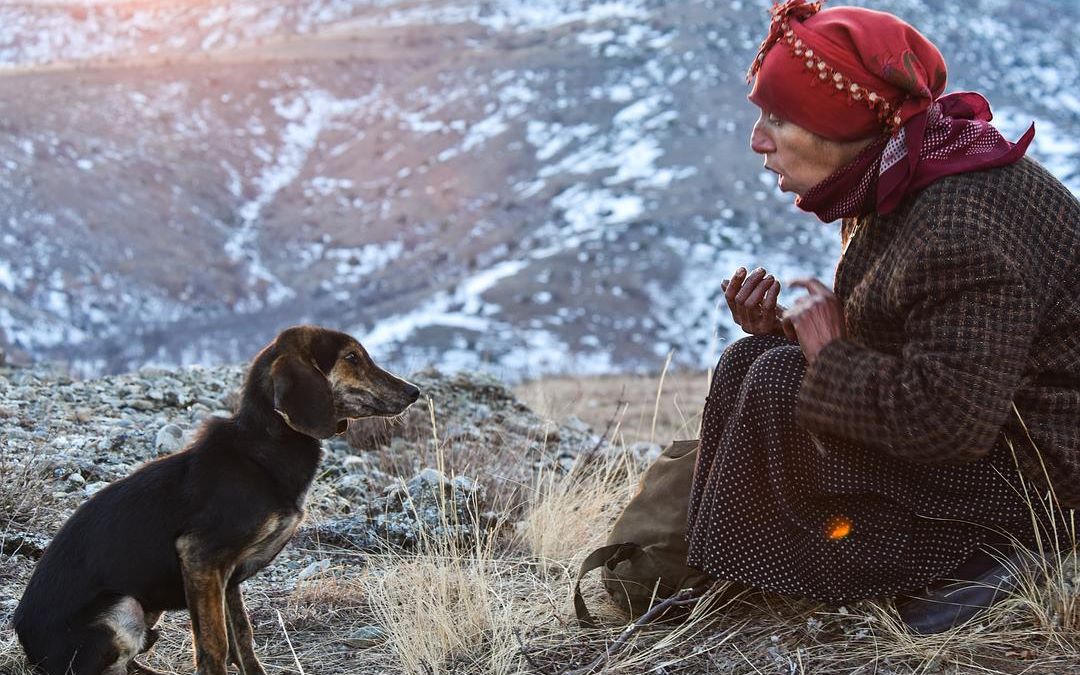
322, 378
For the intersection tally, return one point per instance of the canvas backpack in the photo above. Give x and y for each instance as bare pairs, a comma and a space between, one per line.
644, 560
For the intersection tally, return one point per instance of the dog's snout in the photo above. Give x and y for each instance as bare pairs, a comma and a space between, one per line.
412, 392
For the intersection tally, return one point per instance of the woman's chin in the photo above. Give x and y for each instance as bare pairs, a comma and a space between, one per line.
786, 186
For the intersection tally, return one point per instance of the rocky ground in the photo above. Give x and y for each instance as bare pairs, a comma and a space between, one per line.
468, 441
361, 589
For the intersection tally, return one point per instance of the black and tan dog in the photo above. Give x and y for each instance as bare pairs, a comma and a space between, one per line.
188, 529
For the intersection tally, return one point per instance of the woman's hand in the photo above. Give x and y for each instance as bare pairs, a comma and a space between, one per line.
816, 319
752, 301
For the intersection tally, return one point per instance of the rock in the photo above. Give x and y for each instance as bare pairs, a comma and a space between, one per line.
465, 484
93, 488
574, 423
429, 507
352, 486
366, 637
474, 414
315, 569
645, 452
351, 461
16, 434
76, 479
481, 412
113, 442
353, 532
428, 479
169, 439
23, 543
462, 432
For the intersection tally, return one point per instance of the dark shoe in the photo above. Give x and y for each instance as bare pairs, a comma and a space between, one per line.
987, 577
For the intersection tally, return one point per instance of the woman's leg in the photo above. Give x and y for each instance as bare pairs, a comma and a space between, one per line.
723, 392
820, 517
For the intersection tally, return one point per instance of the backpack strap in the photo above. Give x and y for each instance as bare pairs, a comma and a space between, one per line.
606, 556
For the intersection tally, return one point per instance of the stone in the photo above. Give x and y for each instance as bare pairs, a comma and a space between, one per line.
315, 569
427, 479
352, 486
350, 532
93, 488
169, 439
352, 461
646, 453
574, 423
366, 637
428, 507
23, 543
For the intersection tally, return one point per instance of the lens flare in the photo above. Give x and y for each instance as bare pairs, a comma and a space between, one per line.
837, 528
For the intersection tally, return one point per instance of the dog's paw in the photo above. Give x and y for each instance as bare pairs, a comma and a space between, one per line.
254, 668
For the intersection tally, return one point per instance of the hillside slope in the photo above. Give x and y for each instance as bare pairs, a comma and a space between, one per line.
529, 187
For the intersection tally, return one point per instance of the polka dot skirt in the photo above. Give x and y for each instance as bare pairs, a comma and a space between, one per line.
776, 508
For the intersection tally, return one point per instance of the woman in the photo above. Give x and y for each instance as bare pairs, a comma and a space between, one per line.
865, 443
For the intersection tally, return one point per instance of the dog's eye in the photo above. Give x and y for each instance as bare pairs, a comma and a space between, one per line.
353, 358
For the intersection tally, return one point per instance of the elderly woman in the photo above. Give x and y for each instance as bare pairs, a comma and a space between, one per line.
879, 439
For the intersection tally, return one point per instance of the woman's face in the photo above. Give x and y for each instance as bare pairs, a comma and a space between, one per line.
801, 158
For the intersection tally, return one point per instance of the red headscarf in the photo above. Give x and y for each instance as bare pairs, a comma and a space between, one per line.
849, 73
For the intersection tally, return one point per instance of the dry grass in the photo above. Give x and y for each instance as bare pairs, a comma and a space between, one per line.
641, 410
569, 513
24, 497
11, 660
440, 606
442, 609
501, 604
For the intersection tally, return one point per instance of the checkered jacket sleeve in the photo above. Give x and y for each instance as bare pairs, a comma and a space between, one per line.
969, 327
963, 318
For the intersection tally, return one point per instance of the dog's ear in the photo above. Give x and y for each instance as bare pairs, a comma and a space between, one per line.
302, 396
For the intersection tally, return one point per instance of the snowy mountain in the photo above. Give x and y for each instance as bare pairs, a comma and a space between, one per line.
526, 186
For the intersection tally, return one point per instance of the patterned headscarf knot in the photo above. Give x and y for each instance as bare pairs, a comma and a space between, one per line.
781, 13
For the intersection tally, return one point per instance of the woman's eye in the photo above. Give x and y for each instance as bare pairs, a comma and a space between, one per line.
774, 120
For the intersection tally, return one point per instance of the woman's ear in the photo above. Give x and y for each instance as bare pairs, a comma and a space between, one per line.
302, 396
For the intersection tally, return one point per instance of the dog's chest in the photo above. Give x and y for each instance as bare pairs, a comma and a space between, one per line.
267, 542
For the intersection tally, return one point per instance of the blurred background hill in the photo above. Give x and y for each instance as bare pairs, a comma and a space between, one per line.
525, 186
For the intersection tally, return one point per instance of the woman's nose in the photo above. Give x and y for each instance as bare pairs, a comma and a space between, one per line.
760, 141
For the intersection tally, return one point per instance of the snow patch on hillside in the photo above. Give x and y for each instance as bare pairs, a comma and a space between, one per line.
307, 116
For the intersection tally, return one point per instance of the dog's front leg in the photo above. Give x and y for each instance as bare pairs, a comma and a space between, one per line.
204, 590
241, 640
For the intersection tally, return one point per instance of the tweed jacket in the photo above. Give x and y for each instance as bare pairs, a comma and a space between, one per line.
962, 310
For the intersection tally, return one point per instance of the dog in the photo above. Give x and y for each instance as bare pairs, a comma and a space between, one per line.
186, 530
